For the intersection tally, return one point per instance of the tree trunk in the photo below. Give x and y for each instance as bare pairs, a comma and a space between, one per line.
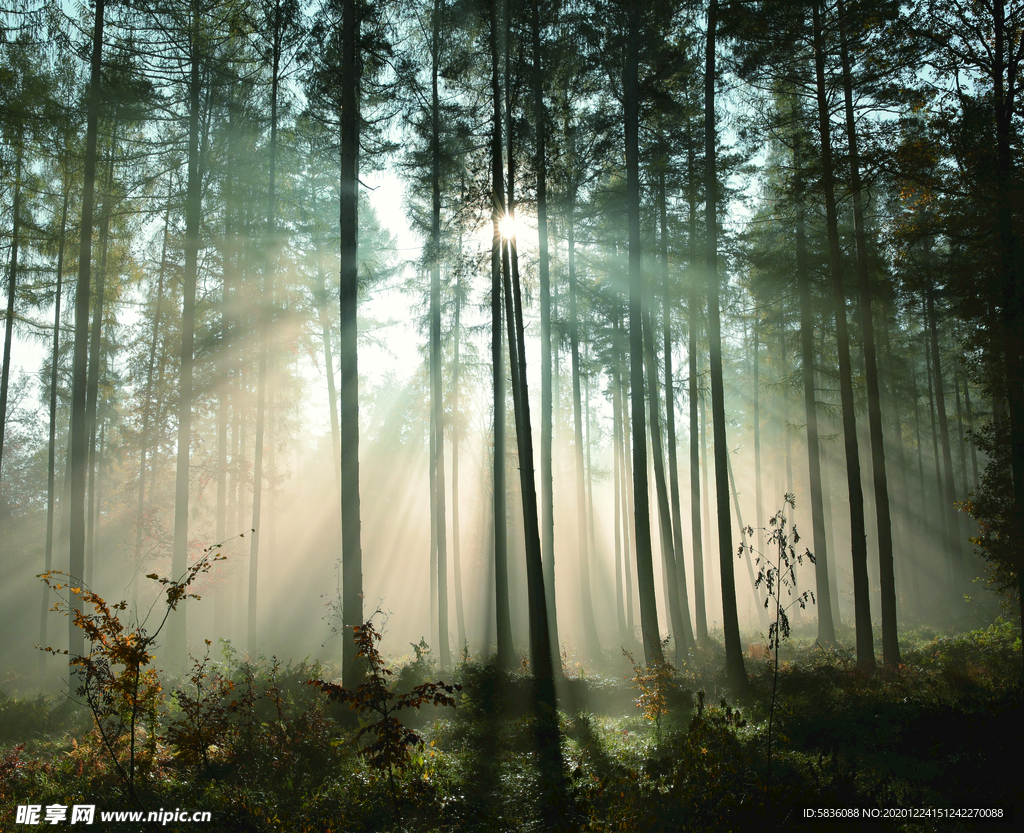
265, 325
693, 397
351, 548
436, 390
506, 652
544, 279
641, 506
95, 354
79, 456
680, 617
865, 639
758, 487
151, 366
12, 285
51, 462
822, 567
730, 622
626, 488
590, 637
621, 539
670, 427
949, 489
886, 569
460, 615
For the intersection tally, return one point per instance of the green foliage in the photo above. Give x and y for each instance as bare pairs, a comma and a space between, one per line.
656, 683
998, 540
254, 743
122, 693
776, 575
202, 725
375, 699
776, 571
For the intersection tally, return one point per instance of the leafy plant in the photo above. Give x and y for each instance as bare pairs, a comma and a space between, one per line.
777, 572
375, 699
206, 703
655, 682
119, 689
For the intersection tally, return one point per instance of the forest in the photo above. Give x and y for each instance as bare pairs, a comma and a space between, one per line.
311, 312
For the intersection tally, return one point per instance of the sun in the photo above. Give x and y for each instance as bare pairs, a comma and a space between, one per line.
507, 226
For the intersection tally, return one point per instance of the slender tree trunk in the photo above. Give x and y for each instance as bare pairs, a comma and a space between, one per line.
548, 735
886, 568
709, 564
730, 622
95, 354
223, 363
266, 322
679, 616
79, 456
325, 340
12, 285
693, 397
949, 489
618, 491
591, 640
591, 533
51, 463
625, 484
506, 652
670, 427
544, 279
758, 486
865, 638
351, 548
541, 658
432, 477
822, 567
641, 506
148, 400
436, 389
960, 444
975, 481
460, 615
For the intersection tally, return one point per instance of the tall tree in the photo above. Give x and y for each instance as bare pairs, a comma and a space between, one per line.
79, 452
733, 650
635, 17
858, 535
351, 547
886, 572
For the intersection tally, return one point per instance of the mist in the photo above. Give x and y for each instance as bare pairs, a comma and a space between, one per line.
601, 384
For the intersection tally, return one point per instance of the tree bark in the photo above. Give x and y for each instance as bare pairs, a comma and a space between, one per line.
641, 506
862, 609
822, 567
506, 652
12, 286
436, 389
737, 674
948, 486
693, 397
670, 427
79, 456
51, 462
544, 279
886, 568
351, 547
590, 637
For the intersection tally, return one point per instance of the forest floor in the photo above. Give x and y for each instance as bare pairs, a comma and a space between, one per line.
916, 749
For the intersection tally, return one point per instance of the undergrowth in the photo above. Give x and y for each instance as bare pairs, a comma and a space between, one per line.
249, 740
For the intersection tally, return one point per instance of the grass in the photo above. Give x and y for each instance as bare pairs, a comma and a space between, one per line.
941, 731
